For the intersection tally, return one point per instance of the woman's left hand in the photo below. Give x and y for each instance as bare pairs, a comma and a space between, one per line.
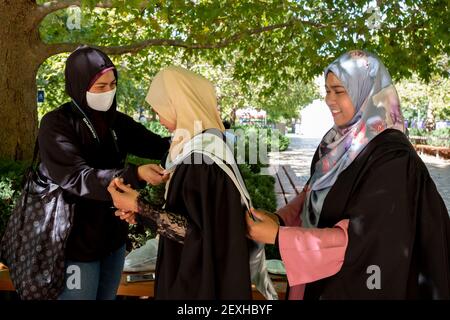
263, 230
124, 197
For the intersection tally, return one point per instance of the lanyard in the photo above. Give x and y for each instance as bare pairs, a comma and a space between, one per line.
88, 123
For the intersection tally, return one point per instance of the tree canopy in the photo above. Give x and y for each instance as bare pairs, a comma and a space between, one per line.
272, 39
266, 48
262, 52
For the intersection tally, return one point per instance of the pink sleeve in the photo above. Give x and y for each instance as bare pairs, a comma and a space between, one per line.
310, 254
290, 213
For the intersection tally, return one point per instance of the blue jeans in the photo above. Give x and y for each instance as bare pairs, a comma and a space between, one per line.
95, 280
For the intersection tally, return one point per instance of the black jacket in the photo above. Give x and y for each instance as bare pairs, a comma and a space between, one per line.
83, 167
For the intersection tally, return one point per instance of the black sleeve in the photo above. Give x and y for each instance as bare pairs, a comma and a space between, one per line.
130, 176
280, 220
60, 154
282, 224
138, 140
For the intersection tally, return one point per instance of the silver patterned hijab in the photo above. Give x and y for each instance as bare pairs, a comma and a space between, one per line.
377, 108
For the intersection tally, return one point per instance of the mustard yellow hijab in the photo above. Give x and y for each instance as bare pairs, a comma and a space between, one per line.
187, 99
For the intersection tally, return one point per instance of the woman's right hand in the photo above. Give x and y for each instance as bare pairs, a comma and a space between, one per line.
152, 174
264, 229
124, 197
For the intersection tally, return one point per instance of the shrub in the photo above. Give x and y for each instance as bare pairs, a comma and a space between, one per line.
11, 176
260, 188
268, 134
416, 132
437, 138
157, 128
440, 137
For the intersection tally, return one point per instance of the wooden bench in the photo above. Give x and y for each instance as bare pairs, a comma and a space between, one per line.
5, 281
418, 139
287, 185
145, 289
438, 152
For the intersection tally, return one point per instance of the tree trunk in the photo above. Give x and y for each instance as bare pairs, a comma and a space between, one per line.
233, 116
19, 62
430, 122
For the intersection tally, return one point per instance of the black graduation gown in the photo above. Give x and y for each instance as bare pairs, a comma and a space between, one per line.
213, 262
398, 222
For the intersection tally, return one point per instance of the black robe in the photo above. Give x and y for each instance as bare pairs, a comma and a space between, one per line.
398, 222
213, 262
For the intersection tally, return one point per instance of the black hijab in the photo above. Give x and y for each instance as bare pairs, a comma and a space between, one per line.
83, 66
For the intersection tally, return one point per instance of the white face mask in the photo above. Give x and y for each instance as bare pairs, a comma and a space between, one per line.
100, 101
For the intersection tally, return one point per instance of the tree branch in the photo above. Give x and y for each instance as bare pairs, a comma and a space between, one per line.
53, 49
52, 6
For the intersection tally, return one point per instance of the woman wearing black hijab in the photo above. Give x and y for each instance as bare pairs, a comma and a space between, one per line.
83, 145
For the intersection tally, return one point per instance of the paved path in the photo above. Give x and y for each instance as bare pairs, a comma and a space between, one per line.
301, 151
440, 172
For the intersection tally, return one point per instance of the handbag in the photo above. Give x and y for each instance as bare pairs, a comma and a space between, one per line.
34, 241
